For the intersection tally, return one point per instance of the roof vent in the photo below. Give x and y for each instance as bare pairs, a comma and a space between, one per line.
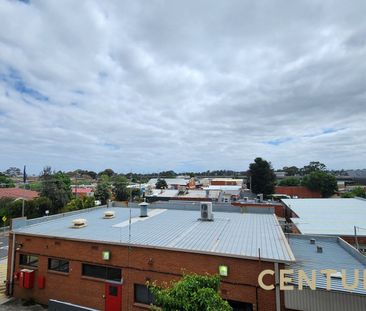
312, 241
79, 223
108, 214
143, 209
319, 249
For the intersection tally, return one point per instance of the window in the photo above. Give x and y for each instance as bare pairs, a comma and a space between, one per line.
113, 291
102, 272
58, 265
240, 306
143, 294
28, 260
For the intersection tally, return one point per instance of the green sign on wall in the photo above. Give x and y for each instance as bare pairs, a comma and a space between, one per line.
106, 255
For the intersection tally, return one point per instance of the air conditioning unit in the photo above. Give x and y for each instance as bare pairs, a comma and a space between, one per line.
206, 211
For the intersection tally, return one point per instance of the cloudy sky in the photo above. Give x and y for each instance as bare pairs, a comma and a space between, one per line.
183, 85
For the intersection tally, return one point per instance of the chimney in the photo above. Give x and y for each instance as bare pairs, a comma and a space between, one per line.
143, 209
312, 241
319, 249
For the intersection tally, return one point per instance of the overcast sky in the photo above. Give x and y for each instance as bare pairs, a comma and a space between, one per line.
182, 85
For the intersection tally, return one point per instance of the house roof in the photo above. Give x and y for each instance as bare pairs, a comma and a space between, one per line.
230, 234
16, 193
82, 190
337, 255
328, 216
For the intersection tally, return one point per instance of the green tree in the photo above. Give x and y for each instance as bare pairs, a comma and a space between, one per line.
356, 192
289, 181
192, 293
321, 181
38, 207
168, 174
108, 171
120, 190
13, 172
262, 177
102, 192
291, 170
313, 166
6, 182
79, 203
56, 187
161, 184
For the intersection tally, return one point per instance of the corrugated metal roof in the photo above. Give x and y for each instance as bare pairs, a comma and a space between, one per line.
328, 216
230, 234
336, 255
170, 181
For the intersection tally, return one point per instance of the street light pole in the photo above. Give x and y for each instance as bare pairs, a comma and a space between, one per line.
23, 207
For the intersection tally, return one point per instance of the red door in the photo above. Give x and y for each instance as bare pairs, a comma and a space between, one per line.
113, 296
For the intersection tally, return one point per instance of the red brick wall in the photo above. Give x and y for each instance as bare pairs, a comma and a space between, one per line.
240, 285
351, 239
299, 191
223, 183
279, 208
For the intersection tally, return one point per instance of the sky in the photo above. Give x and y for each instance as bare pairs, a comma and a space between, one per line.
187, 85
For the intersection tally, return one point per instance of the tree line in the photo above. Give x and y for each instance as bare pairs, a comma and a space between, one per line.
314, 176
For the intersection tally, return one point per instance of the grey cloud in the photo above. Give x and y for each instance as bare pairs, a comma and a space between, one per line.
183, 85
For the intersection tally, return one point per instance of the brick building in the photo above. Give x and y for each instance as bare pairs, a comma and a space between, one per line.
103, 261
298, 191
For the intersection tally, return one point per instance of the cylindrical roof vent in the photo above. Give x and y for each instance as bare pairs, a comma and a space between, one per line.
143, 209
319, 249
312, 241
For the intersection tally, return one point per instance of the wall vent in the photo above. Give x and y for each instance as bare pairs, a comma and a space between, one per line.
79, 223
108, 215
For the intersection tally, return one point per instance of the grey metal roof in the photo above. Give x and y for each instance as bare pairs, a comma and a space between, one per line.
170, 181
328, 216
336, 255
230, 234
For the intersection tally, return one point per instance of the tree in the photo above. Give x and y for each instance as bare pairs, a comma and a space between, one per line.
262, 177
102, 192
79, 203
161, 184
313, 166
6, 182
56, 187
13, 172
291, 170
193, 292
120, 190
321, 181
289, 181
168, 174
108, 171
356, 192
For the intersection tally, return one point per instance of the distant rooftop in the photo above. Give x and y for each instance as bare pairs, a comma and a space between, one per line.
328, 216
230, 234
336, 255
16, 193
170, 181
